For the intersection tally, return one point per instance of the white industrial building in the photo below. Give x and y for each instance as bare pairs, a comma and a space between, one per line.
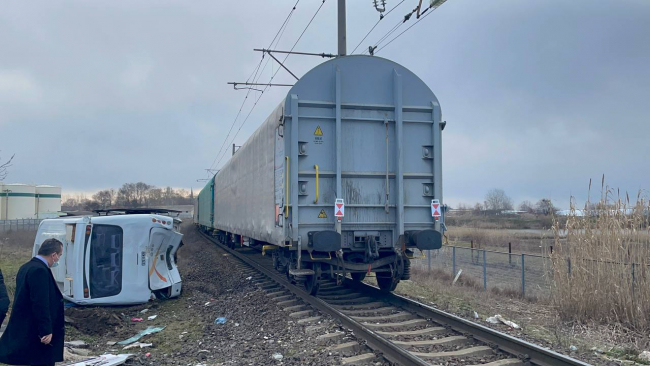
24, 201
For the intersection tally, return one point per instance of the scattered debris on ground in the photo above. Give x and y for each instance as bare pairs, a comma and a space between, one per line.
254, 330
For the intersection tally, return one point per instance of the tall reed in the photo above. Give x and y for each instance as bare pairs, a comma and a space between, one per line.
600, 266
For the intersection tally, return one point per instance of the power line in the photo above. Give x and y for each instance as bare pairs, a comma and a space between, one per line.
237, 116
273, 76
391, 31
381, 17
412, 25
279, 33
421, 15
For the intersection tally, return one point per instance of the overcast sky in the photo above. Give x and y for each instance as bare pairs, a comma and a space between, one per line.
539, 95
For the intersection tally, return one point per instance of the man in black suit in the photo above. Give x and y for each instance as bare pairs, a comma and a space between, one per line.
35, 332
4, 299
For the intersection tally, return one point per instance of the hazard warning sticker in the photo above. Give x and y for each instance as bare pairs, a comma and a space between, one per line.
318, 136
339, 208
322, 214
435, 209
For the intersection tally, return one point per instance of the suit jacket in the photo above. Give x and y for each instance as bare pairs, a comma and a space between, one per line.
37, 312
4, 299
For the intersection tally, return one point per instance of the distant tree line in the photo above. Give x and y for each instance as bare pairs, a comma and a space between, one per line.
130, 195
496, 201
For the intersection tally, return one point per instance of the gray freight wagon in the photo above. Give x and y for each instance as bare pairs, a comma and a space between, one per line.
344, 176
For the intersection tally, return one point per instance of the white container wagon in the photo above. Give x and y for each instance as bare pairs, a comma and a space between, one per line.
344, 176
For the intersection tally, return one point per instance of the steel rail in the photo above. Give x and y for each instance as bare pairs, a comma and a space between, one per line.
388, 349
518, 347
525, 351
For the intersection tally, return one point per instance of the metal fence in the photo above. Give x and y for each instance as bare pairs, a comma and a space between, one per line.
528, 274
19, 225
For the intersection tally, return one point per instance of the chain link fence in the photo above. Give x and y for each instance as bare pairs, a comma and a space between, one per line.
19, 225
526, 274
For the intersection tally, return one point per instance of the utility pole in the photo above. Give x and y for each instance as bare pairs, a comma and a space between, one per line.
342, 32
6, 193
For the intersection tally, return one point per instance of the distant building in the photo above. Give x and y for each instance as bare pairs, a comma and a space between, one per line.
24, 201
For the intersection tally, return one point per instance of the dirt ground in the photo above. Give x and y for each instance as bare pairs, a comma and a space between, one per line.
255, 330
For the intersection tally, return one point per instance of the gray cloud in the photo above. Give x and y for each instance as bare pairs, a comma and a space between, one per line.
539, 96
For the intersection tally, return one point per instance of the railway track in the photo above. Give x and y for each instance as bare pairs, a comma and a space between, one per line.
402, 330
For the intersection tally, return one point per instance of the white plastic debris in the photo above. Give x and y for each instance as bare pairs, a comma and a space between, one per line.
105, 360
573, 348
144, 311
492, 320
499, 319
509, 323
152, 317
278, 356
138, 345
207, 303
644, 356
475, 315
249, 278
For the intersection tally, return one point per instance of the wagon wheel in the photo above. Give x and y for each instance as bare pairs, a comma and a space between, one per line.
387, 283
357, 258
311, 282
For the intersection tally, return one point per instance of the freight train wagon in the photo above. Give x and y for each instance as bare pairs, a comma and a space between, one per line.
344, 176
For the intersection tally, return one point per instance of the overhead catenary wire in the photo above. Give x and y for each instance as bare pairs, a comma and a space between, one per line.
272, 77
374, 26
278, 36
412, 25
391, 31
421, 15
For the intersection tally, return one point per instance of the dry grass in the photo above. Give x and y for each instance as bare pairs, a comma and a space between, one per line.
607, 280
483, 220
15, 250
522, 241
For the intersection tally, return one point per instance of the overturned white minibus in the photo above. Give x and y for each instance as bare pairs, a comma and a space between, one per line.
114, 260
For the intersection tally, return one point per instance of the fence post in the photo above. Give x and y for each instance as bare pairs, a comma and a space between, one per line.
569, 265
484, 271
429, 260
472, 254
523, 276
509, 253
453, 261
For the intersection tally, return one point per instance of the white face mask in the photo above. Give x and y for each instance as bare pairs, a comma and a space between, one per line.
56, 264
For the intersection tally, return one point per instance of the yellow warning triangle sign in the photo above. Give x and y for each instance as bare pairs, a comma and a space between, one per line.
322, 214
318, 131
